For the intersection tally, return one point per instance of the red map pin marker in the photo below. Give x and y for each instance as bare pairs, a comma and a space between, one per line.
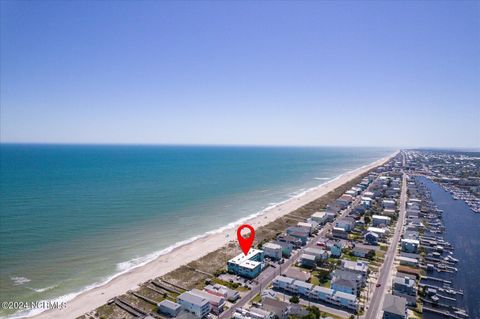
245, 243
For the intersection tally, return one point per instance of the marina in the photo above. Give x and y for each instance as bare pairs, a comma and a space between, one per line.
445, 291
437, 292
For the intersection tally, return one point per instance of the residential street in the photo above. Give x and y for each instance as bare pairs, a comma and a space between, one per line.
375, 308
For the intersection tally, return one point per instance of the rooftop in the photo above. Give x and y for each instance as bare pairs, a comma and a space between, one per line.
244, 260
169, 304
211, 297
394, 304
346, 296
308, 257
272, 246
193, 298
376, 230
381, 217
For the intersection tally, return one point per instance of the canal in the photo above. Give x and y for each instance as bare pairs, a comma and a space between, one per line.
462, 229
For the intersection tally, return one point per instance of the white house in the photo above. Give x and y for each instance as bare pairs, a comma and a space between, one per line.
199, 306
320, 217
272, 250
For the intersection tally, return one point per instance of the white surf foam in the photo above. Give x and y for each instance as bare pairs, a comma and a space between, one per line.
19, 280
42, 289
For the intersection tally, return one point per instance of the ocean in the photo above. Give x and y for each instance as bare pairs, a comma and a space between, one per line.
461, 230
74, 216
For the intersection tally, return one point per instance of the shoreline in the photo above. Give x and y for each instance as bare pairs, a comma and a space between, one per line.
189, 250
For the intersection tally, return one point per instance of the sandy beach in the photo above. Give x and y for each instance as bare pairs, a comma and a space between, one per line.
96, 297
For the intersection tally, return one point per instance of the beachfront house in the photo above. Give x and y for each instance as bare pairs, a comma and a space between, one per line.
197, 305
169, 308
320, 217
351, 192
344, 200
217, 303
272, 250
248, 266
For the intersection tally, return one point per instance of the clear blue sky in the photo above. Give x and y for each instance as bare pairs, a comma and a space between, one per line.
279, 73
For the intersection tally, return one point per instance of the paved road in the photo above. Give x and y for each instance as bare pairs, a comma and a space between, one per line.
270, 273
375, 308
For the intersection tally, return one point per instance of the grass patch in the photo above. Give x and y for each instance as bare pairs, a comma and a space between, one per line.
350, 257
314, 280
257, 298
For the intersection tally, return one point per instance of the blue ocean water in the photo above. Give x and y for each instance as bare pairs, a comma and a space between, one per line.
72, 216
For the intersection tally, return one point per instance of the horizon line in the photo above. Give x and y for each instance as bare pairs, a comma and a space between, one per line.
238, 145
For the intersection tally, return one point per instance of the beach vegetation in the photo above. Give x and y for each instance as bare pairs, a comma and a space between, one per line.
219, 272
